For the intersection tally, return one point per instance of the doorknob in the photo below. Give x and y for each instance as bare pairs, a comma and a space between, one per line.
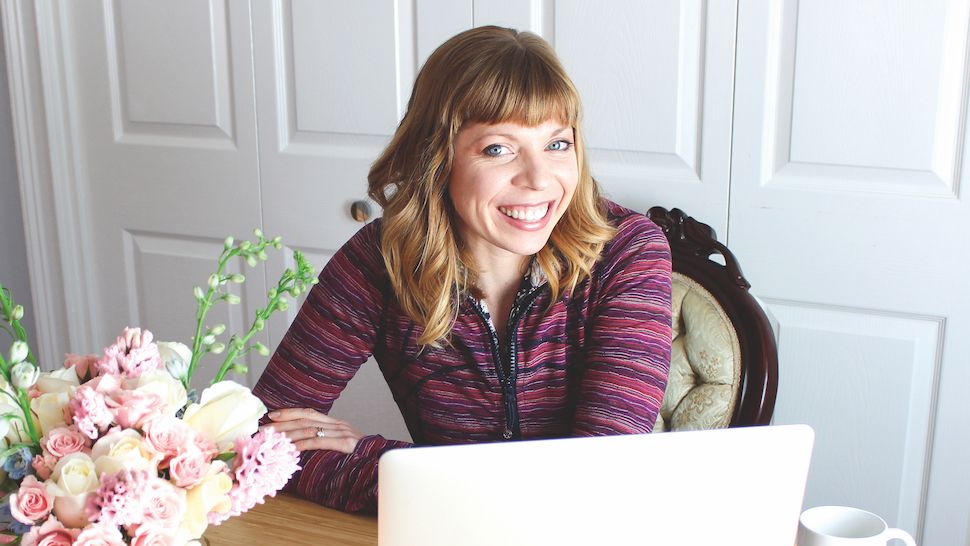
360, 210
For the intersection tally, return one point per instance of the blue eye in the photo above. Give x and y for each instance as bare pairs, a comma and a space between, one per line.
560, 146
494, 150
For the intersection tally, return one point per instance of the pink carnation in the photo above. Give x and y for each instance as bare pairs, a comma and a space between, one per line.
131, 355
82, 364
51, 533
132, 408
262, 466
100, 535
31, 504
119, 500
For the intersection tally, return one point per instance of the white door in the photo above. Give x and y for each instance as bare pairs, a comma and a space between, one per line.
848, 208
160, 131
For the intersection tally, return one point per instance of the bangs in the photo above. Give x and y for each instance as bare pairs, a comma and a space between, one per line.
518, 87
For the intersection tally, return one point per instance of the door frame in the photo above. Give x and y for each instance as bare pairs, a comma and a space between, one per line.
62, 304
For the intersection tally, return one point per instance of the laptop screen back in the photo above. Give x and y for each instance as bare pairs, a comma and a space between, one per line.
731, 486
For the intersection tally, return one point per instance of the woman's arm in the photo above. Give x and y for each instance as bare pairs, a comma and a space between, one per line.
331, 337
628, 336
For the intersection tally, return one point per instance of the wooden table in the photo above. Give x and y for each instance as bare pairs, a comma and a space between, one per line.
290, 520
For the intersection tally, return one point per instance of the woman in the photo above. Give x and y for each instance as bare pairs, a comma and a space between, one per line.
503, 298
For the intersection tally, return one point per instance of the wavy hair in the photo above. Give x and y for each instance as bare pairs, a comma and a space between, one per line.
484, 75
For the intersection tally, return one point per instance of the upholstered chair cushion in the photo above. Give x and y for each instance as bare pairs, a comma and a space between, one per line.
705, 363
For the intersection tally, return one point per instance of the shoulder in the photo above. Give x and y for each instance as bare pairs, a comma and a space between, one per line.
636, 238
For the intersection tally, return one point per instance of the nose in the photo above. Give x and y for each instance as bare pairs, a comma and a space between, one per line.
534, 173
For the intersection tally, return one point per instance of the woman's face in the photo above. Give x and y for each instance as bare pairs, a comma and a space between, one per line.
510, 184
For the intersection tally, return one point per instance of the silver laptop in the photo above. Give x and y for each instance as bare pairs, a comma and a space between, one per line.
721, 487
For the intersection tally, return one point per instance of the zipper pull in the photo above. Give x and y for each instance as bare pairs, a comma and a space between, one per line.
507, 433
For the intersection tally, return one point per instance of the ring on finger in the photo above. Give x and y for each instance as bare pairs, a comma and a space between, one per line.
321, 433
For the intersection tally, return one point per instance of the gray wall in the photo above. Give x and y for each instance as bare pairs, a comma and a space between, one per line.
13, 251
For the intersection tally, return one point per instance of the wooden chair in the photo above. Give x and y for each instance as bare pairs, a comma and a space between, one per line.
724, 362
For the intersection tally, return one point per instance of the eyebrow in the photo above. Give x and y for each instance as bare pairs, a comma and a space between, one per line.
508, 136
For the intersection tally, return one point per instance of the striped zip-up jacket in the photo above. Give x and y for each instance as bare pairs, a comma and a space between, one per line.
595, 363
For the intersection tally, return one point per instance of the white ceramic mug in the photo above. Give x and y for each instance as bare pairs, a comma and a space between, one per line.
844, 526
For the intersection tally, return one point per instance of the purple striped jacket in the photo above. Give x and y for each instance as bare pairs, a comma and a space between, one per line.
595, 363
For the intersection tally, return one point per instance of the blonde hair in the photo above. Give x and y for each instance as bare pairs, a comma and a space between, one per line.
487, 75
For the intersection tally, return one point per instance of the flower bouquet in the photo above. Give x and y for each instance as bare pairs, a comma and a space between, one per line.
116, 449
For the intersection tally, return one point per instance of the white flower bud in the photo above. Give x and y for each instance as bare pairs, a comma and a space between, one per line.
218, 348
213, 281
18, 352
199, 294
218, 329
24, 375
259, 324
229, 242
232, 299
238, 279
258, 232
282, 305
17, 313
262, 349
209, 339
251, 260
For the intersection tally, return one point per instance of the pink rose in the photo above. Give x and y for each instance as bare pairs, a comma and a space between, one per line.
163, 504
99, 535
167, 435
63, 441
41, 467
132, 408
188, 467
153, 536
82, 364
31, 504
51, 533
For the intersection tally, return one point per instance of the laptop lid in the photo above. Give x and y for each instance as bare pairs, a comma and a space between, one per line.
723, 487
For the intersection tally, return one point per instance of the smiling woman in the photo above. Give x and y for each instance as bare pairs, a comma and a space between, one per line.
501, 295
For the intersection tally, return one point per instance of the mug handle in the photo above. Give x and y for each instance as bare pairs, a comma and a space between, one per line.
893, 532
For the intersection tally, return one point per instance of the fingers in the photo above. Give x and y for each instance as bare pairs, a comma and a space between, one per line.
309, 429
292, 414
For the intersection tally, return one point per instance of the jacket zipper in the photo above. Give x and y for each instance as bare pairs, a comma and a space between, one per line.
512, 430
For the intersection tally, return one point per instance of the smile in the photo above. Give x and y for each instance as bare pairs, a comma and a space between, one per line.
528, 214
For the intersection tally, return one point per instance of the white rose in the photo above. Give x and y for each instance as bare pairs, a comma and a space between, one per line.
49, 409
159, 382
123, 450
73, 479
226, 411
61, 380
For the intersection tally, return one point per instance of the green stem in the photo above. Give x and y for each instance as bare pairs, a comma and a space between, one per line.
201, 313
28, 421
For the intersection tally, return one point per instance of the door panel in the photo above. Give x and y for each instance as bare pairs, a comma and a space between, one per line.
163, 134
846, 208
656, 80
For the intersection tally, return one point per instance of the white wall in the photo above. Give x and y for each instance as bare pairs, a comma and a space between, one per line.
13, 253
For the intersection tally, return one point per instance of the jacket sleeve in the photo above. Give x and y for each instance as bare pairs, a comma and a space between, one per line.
332, 336
628, 335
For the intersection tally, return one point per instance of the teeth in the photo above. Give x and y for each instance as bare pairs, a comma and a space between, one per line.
529, 214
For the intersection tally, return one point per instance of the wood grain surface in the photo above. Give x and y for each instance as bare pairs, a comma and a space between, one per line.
290, 520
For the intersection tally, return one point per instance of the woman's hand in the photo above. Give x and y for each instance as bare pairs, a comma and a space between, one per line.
310, 429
